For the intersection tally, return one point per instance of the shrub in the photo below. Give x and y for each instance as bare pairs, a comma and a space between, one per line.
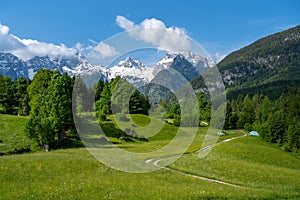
248, 127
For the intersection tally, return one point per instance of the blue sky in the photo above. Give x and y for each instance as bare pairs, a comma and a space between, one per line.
219, 26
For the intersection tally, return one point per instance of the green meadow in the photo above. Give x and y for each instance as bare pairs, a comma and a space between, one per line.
258, 170
12, 133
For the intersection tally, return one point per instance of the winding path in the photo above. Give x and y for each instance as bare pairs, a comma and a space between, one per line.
156, 161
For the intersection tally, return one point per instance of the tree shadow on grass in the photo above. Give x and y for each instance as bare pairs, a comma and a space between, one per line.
92, 136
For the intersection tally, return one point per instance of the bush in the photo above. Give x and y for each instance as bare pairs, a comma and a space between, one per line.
248, 127
101, 116
177, 120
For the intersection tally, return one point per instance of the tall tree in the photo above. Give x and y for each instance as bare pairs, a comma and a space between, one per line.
293, 136
247, 115
81, 96
60, 105
138, 104
21, 97
99, 89
38, 126
231, 117
277, 127
6, 95
51, 112
174, 111
103, 105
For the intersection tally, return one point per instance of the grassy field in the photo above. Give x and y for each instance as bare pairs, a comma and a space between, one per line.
251, 163
12, 134
264, 171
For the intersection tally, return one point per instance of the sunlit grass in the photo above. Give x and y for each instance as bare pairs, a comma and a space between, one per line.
265, 171
74, 174
12, 133
248, 162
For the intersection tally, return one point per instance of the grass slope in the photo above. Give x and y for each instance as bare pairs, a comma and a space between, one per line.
12, 133
264, 170
249, 162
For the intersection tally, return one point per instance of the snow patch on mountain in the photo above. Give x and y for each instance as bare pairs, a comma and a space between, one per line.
30, 73
135, 72
14, 67
132, 70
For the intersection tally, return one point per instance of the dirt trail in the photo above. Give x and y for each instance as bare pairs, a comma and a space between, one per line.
156, 161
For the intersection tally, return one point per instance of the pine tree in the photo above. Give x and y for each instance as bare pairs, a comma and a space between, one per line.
51, 112
81, 96
174, 111
247, 115
277, 127
21, 97
38, 126
99, 89
103, 105
6, 95
293, 136
138, 104
231, 117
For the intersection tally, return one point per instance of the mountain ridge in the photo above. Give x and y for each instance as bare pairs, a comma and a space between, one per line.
15, 67
270, 66
133, 70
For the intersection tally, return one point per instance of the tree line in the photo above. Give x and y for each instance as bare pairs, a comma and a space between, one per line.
50, 100
13, 96
120, 98
174, 110
47, 100
277, 121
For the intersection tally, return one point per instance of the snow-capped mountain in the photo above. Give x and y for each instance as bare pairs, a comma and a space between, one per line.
132, 70
15, 67
79, 65
12, 66
36, 63
184, 67
197, 61
200, 64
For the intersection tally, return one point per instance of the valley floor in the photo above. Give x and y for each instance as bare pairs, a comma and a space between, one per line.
249, 167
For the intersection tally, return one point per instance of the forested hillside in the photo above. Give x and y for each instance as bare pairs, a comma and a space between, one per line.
269, 66
262, 83
263, 88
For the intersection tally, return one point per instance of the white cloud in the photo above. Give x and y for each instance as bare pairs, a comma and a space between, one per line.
79, 46
155, 32
8, 42
218, 57
28, 48
103, 50
3, 29
42, 49
124, 23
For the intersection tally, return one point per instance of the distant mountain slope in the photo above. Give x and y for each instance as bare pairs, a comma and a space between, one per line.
270, 66
14, 67
135, 72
